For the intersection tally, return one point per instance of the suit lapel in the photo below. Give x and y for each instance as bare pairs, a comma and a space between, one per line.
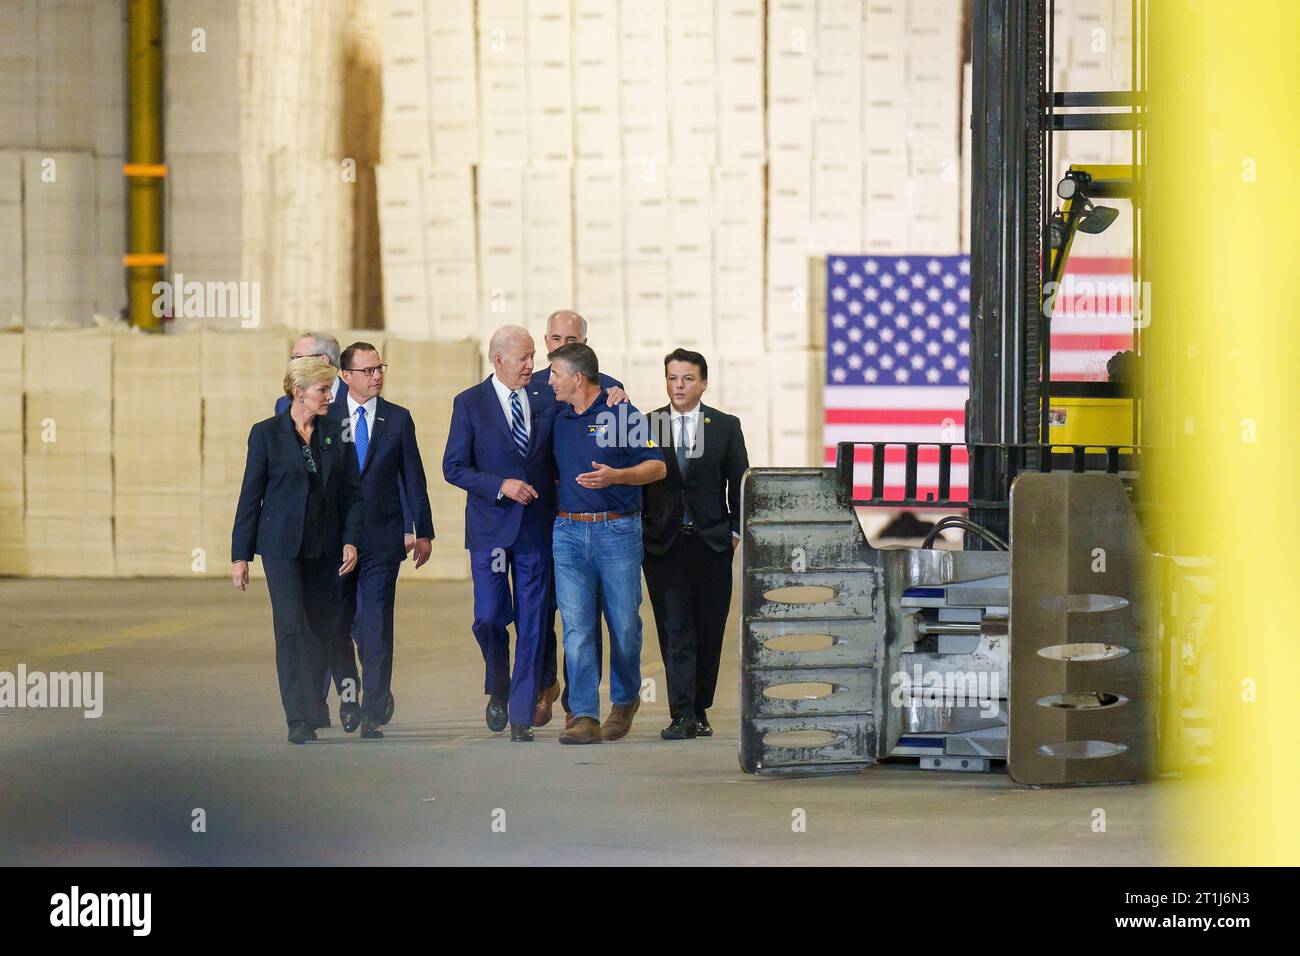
492, 406
666, 432
326, 453
289, 439
378, 431
702, 445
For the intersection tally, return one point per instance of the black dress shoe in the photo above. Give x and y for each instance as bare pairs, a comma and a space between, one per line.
388, 711
349, 717
702, 728
496, 714
682, 728
521, 732
300, 732
370, 727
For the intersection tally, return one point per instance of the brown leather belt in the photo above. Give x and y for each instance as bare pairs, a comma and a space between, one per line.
591, 515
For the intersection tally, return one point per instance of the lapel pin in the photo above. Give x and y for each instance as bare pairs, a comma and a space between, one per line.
708, 421
329, 440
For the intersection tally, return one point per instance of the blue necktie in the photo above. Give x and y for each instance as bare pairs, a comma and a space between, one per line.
517, 427
361, 438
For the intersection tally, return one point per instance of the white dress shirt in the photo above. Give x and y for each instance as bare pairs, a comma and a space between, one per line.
690, 422
503, 396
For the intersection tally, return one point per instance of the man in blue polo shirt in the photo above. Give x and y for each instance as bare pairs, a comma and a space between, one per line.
602, 455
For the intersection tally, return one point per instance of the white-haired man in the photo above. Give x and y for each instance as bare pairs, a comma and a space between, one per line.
319, 345
499, 451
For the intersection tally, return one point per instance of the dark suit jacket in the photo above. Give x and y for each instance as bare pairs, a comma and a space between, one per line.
273, 499
712, 484
481, 454
393, 490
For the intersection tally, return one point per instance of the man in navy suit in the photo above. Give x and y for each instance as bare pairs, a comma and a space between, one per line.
565, 328
319, 345
499, 451
382, 437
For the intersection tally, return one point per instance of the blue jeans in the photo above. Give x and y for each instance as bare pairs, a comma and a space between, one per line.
605, 555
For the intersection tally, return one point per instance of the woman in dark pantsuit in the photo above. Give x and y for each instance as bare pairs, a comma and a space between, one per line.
300, 509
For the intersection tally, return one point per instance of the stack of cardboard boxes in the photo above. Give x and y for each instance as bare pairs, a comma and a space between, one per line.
258, 189
68, 457
62, 198
13, 544
429, 142
157, 441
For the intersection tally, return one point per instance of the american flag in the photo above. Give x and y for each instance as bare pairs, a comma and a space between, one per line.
898, 352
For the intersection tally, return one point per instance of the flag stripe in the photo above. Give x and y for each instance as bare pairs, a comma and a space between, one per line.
888, 396
894, 416
1099, 265
834, 434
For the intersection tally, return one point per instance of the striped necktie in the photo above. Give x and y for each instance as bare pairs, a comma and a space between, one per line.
517, 427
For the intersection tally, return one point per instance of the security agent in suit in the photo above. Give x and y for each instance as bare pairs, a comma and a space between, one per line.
691, 524
499, 451
565, 327
323, 347
300, 509
382, 436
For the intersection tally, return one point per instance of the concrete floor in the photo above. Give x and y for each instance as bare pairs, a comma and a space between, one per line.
192, 720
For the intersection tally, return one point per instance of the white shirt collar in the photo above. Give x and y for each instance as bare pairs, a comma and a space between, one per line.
504, 393
692, 414
371, 405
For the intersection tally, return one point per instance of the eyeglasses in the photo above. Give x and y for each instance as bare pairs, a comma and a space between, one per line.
370, 372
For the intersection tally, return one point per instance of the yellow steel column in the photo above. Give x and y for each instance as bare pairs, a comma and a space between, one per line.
145, 259
1223, 390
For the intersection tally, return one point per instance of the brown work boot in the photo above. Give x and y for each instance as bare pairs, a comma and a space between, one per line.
568, 720
585, 730
619, 721
545, 700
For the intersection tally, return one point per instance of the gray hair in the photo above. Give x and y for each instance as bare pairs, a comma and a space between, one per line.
503, 336
582, 323
328, 345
